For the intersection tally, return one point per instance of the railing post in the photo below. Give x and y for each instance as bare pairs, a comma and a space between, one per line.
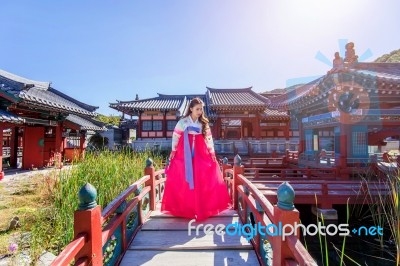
237, 170
285, 213
374, 163
225, 166
149, 170
87, 219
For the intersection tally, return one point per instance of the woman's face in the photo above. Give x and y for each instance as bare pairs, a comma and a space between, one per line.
197, 110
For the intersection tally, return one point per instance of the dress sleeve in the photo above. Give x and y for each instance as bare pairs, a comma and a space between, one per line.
209, 140
178, 131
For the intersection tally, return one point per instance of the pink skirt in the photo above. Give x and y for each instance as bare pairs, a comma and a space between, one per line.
209, 196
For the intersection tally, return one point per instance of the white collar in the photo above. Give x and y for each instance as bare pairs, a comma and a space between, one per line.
191, 120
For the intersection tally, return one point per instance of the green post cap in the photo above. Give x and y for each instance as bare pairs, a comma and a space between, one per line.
87, 197
237, 161
149, 162
285, 194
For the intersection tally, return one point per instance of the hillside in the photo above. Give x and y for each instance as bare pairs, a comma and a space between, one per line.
393, 57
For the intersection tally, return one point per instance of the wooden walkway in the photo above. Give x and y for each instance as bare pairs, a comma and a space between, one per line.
164, 240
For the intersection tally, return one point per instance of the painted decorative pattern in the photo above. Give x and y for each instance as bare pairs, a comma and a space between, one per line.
132, 222
113, 248
266, 251
146, 204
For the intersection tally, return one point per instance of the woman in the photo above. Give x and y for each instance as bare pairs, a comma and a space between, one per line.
195, 187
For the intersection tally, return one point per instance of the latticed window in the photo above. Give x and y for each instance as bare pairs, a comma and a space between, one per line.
147, 125
73, 142
157, 125
171, 125
359, 142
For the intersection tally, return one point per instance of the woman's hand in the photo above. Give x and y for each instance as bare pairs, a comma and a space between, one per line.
172, 155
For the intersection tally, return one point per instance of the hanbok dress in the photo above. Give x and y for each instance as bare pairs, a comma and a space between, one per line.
195, 187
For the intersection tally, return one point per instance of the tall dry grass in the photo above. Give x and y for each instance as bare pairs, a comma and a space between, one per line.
109, 172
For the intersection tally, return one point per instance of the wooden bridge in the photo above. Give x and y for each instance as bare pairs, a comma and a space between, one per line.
132, 231
165, 240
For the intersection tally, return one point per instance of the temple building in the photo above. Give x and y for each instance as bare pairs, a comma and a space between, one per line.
240, 120
39, 125
346, 116
341, 119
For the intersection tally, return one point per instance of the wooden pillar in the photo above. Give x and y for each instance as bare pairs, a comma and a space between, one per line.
88, 220
165, 124
287, 130
149, 170
301, 138
237, 170
1, 153
281, 250
82, 144
242, 122
58, 145
13, 146
139, 126
256, 123
58, 141
344, 144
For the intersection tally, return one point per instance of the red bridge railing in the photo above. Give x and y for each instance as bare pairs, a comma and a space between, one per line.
254, 209
102, 237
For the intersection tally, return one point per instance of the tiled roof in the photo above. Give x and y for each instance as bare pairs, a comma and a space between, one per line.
293, 94
163, 102
7, 117
215, 99
381, 72
156, 104
22, 80
29, 92
388, 70
85, 123
235, 99
52, 100
275, 113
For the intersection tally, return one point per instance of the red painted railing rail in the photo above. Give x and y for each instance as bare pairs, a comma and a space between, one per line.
254, 209
102, 237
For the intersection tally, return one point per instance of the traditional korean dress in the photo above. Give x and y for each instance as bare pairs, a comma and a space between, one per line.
195, 187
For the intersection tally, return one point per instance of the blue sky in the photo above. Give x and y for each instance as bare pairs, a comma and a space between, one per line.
100, 51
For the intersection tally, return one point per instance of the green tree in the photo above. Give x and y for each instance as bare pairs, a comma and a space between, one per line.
393, 57
108, 120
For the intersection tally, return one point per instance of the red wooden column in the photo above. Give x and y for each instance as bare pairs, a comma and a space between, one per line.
238, 169
58, 142
1, 153
14, 146
286, 130
139, 126
82, 145
344, 145
256, 122
301, 137
58, 145
88, 220
164, 126
242, 121
149, 170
